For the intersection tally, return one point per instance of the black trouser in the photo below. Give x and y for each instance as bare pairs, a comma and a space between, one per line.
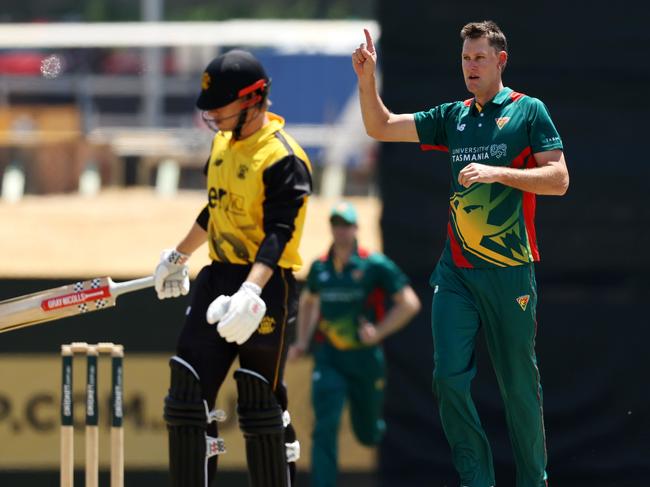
264, 352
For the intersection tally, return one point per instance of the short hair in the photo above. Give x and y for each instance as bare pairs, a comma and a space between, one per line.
488, 29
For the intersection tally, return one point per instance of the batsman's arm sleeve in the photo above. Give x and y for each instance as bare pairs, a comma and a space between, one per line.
286, 185
202, 219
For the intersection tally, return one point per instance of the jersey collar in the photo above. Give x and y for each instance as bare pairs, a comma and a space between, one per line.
354, 257
499, 99
501, 96
276, 122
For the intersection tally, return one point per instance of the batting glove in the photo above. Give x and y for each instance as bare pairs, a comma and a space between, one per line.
171, 278
238, 315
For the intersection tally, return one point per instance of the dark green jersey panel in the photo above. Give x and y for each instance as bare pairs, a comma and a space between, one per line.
354, 292
490, 225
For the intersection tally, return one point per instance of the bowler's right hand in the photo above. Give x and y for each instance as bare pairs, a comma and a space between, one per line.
364, 59
171, 277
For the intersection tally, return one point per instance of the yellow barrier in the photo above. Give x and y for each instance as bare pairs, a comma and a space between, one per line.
29, 414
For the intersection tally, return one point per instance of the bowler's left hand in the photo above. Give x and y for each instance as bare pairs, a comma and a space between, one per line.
478, 173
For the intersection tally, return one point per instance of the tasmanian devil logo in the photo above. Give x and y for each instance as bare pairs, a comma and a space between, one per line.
502, 121
522, 301
486, 220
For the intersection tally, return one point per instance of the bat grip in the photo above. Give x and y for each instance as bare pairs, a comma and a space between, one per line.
134, 285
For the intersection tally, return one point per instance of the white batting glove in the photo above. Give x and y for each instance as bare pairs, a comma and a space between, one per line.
238, 315
218, 309
171, 277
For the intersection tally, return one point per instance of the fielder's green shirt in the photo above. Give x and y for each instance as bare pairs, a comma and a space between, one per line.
490, 225
358, 290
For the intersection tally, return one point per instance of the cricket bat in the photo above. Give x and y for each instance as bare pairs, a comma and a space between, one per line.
73, 299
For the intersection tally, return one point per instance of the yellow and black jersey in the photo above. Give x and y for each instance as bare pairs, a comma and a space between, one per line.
257, 194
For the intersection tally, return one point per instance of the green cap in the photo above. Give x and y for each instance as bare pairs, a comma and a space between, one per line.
345, 211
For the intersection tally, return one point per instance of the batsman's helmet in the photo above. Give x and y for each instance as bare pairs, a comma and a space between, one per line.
230, 76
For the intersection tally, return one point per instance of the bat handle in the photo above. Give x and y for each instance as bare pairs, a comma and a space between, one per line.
134, 285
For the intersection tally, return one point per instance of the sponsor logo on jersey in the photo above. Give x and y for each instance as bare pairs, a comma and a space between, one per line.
267, 325
460, 127
237, 204
341, 295
479, 153
551, 140
498, 150
522, 301
502, 121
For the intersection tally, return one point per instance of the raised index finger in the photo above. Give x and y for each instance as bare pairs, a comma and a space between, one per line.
370, 45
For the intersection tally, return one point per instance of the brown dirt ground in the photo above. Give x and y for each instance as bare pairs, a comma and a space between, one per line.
120, 233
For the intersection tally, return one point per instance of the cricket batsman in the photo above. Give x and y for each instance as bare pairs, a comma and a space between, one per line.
245, 302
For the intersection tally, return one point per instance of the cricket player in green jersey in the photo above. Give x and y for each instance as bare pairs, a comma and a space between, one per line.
504, 150
345, 295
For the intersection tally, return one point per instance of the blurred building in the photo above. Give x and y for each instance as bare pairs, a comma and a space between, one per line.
131, 91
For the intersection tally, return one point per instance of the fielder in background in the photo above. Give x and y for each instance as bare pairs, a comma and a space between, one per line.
244, 303
503, 149
346, 296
